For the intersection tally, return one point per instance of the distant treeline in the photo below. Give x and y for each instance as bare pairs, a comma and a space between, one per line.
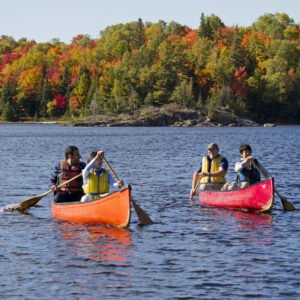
252, 71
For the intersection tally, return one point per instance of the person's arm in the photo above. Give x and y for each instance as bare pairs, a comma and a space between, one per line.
239, 166
54, 177
87, 169
196, 177
222, 169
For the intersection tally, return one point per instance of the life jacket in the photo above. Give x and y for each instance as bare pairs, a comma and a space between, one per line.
97, 185
210, 166
67, 173
250, 174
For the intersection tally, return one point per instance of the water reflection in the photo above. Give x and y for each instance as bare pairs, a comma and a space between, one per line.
96, 242
247, 227
243, 220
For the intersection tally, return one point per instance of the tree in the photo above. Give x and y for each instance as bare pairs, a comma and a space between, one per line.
183, 93
209, 26
273, 25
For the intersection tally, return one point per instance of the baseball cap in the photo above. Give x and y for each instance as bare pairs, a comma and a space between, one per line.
213, 146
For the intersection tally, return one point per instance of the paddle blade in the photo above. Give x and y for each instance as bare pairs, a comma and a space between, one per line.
29, 203
287, 206
143, 217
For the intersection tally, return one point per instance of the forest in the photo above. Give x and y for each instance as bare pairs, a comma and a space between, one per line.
251, 71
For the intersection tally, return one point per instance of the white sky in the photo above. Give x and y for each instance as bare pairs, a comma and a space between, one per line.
43, 20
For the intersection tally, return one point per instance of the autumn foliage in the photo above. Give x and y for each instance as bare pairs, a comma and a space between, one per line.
253, 71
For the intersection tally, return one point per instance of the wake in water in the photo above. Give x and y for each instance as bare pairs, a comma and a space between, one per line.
10, 207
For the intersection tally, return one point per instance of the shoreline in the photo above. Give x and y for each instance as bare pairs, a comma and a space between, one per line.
158, 117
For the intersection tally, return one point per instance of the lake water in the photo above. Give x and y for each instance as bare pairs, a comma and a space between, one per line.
190, 253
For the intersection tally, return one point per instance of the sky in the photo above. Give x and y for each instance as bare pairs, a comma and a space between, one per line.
44, 20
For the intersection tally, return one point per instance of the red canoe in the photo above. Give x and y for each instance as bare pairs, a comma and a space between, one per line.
257, 197
113, 209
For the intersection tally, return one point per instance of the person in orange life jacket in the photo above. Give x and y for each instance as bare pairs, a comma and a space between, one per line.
247, 173
66, 169
96, 180
211, 171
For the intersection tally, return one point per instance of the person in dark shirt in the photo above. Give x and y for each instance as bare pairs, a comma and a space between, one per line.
248, 168
65, 170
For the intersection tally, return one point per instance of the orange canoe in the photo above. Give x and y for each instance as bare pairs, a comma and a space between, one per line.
113, 209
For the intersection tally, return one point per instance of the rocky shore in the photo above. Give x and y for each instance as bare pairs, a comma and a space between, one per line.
165, 116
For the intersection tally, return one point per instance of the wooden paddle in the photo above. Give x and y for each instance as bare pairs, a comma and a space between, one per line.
287, 206
143, 217
33, 201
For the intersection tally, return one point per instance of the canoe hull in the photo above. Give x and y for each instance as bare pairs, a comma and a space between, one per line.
113, 209
257, 197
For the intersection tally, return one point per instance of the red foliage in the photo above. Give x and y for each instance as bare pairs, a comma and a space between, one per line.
8, 58
76, 38
60, 101
224, 36
54, 75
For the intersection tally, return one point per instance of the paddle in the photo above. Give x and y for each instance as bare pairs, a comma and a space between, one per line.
143, 217
287, 206
192, 202
34, 200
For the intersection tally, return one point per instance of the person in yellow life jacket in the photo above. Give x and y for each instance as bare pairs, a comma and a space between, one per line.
96, 180
211, 171
65, 170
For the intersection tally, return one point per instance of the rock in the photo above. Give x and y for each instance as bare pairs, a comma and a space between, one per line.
269, 125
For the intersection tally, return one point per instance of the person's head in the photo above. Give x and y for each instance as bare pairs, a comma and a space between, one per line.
72, 154
245, 150
98, 162
213, 150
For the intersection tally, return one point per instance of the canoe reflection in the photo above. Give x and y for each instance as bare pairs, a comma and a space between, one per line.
247, 227
97, 242
243, 219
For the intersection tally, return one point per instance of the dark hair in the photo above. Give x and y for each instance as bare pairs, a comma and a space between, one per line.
91, 156
244, 147
70, 151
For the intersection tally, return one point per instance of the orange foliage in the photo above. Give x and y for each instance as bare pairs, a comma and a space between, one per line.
255, 36
75, 104
93, 71
29, 81
240, 87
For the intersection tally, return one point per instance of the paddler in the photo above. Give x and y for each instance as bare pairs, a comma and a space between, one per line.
211, 172
65, 170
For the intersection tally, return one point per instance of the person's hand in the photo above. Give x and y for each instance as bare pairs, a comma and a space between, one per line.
120, 183
100, 154
192, 193
53, 188
203, 174
249, 159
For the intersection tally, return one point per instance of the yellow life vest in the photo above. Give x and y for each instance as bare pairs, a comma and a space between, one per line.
97, 185
214, 167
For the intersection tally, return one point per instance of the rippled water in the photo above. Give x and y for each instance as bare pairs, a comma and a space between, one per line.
190, 253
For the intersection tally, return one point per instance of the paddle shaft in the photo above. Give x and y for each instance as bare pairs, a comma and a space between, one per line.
111, 169
142, 215
34, 200
64, 183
